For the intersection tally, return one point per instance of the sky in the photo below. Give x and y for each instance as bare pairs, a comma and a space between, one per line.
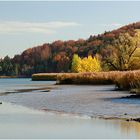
28, 24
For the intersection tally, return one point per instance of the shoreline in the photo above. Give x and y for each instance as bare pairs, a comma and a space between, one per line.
118, 78
90, 101
12, 77
128, 119
72, 114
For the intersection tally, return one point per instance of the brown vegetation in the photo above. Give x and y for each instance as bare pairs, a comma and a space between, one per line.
44, 77
8, 77
129, 80
96, 78
126, 80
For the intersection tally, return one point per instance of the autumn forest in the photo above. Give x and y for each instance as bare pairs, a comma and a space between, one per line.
113, 50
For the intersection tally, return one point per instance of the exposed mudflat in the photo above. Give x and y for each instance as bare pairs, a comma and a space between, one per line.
93, 101
44, 110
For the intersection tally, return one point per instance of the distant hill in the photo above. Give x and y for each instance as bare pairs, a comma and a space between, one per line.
57, 56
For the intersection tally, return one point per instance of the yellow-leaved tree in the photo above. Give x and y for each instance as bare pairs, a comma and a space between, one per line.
87, 64
76, 61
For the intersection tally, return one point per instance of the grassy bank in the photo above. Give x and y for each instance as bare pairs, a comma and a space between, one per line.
126, 80
98, 78
44, 77
76, 78
8, 77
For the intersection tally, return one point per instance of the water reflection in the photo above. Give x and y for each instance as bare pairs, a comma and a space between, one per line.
16, 121
130, 127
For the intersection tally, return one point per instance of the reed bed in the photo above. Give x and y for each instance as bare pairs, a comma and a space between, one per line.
97, 78
124, 80
128, 80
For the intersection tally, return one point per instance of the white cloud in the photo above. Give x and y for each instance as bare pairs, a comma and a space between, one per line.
111, 25
8, 27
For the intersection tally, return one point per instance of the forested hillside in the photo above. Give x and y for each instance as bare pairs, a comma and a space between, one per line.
57, 56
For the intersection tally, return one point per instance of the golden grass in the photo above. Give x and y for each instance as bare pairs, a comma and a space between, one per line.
124, 80
96, 78
129, 80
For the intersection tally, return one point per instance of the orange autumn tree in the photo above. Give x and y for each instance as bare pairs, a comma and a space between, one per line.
86, 64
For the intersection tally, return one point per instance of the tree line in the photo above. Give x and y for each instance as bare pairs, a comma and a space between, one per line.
115, 50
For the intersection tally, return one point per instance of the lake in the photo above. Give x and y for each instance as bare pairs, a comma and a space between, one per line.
40, 109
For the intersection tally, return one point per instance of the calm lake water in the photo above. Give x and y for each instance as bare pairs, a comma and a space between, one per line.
65, 111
